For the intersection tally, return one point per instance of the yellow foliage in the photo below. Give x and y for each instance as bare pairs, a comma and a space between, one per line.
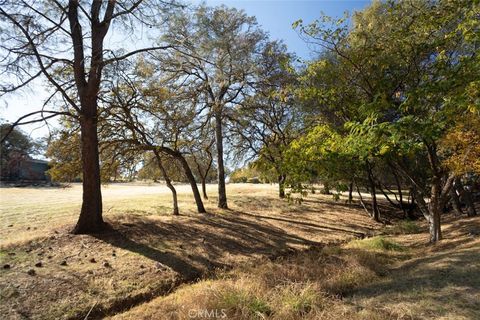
462, 146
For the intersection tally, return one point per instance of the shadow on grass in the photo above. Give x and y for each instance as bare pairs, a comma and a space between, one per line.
121, 240
193, 245
200, 243
444, 283
216, 236
313, 226
266, 204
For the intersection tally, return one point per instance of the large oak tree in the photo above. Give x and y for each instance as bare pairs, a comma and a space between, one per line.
63, 44
215, 51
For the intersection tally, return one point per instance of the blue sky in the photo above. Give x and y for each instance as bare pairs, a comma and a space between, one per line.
275, 17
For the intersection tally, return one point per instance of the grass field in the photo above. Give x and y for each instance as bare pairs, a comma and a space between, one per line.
252, 260
28, 212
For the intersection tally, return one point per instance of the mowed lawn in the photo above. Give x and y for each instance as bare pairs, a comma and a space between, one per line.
30, 211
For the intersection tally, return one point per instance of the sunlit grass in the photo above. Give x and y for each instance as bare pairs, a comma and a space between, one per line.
376, 243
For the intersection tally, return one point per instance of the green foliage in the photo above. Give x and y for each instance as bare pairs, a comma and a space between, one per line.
391, 87
322, 154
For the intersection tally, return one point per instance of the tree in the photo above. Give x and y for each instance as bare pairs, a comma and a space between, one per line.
410, 66
64, 150
266, 122
48, 40
202, 158
214, 55
14, 147
147, 115
167, 181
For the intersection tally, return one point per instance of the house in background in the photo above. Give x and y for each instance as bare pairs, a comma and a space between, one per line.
33, 169
24, 168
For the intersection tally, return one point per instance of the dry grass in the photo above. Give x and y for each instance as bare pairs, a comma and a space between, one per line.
375, 278
148, 252
439, 282
29, 212
307, 285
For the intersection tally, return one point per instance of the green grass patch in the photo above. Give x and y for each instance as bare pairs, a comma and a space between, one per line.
405, 227
376, 243
241, 301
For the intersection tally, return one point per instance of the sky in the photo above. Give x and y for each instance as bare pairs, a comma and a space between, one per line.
274, 16
277, 16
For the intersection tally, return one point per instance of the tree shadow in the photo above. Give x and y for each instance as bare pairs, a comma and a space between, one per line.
218, 234
121, 240
312, 225
446, 281
193, 244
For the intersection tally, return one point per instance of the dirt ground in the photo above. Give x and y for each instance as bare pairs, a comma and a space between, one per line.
48, 273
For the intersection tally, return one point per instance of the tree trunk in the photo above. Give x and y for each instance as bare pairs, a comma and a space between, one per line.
193, 183
456, 205
411, 206
385, 194
466, 197
204, 188
400, 193
434, 210
439, 193
350, 193
375, 209
168, 182
90, 220
281, 186
361, 198
326, 188
373, 193
222, 193
434, 226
